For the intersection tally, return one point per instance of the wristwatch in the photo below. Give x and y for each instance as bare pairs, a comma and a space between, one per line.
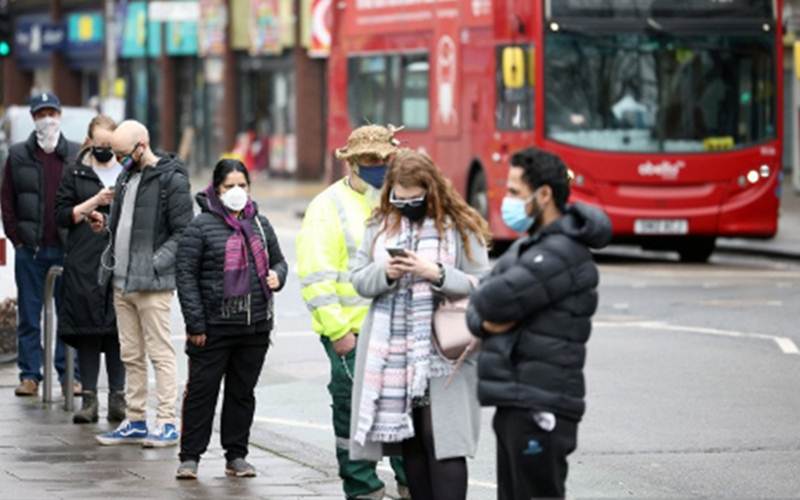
440, 281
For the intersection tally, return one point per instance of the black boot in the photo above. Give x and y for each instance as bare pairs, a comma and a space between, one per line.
88, 412
116, 406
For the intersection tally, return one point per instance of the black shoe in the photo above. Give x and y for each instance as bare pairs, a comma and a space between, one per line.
116, 406
88, 412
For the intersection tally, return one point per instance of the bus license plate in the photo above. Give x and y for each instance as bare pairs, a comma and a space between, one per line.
661, 226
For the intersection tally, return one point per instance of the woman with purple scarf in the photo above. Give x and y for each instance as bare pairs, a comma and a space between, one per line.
229, 265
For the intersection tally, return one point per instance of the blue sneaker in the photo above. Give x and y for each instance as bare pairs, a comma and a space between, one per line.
127, 433
165, 435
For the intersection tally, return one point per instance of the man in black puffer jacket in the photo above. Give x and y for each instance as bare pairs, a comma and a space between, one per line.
28, 199
534, 315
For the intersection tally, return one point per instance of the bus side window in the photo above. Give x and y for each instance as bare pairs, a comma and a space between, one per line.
387, 89
515, 83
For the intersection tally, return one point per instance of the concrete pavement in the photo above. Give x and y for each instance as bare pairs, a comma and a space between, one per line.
43, 455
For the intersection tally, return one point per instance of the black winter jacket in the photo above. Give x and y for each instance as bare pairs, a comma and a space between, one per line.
201, 259
26, 174
546, 284
86, 308
163, 209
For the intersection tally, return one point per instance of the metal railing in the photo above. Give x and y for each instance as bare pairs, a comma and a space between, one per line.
50, 345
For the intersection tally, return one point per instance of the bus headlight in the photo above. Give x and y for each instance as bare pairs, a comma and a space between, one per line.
764, 170
752, 177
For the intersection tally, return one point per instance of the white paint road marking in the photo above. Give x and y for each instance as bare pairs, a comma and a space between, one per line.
786, 345
329, 428
294, 423
471, 482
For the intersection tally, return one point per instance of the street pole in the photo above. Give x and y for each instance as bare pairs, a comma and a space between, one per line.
111, 48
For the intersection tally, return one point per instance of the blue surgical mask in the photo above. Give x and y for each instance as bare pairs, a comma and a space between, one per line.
514, 214
373, 175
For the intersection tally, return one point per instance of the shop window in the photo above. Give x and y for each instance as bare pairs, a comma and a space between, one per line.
389, 89
515, 85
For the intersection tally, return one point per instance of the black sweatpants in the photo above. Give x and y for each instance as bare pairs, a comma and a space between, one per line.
531, 462
239, 360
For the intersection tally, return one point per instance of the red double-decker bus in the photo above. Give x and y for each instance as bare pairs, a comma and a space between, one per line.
667, 111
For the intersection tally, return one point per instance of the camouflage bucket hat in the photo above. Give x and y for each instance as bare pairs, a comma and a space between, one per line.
370, 140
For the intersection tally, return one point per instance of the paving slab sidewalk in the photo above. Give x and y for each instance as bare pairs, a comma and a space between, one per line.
44, 456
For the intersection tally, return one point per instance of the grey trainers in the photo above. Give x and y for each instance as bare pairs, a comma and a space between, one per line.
187, 470
238, 467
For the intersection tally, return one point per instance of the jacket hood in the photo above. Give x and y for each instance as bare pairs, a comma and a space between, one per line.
584, 223
168, 162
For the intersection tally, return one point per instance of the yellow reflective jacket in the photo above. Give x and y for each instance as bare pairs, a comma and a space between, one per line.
332, 231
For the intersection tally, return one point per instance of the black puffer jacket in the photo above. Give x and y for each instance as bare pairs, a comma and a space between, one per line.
163, 209
86, 307
546, 284
201, 259
29, 186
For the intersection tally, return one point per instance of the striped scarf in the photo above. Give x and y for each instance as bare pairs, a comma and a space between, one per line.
401, 358
236, 272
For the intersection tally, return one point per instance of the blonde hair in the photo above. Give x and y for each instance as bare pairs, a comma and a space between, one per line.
102, 121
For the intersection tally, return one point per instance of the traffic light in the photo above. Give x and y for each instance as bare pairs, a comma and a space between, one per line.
5, 30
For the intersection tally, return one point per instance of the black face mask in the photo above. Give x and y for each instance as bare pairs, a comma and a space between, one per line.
103, 155
414, 214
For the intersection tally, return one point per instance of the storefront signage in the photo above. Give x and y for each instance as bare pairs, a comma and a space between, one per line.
265, 27
211, 28
183, 11
39, 37
134, 37
85, 28
321, 20
182, 38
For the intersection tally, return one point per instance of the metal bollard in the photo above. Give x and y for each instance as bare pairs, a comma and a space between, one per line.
50, 344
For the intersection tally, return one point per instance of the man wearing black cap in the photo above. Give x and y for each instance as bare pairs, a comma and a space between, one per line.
31, 179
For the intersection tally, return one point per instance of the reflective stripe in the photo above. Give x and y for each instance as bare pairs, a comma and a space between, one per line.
342, 443
321, 276
355, 301
331, 299
348, 238
322, 301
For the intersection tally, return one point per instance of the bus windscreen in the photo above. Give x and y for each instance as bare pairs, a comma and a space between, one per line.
638, 9
659, 93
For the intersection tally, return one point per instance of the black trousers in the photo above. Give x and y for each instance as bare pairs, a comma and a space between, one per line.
428, 478
239, 360
531, 462
89, 362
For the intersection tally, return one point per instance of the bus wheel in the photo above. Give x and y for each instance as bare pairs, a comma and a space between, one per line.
697, 250
478, 196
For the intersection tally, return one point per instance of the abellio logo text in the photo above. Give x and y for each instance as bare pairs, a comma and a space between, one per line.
666, 169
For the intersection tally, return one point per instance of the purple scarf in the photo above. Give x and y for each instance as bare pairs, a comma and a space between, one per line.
236, 281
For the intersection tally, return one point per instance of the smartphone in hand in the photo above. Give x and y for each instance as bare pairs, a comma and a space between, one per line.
396, 251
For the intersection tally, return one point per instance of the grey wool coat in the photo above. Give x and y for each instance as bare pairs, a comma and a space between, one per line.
455, 410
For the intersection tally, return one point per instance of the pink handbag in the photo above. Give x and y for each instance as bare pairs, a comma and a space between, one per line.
451, 336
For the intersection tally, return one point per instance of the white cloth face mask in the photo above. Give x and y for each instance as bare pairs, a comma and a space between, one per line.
235, 198
48, 130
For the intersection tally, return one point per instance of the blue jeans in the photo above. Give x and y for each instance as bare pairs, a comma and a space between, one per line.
30, 269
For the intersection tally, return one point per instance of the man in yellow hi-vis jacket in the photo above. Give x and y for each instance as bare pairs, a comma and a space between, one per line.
332, 231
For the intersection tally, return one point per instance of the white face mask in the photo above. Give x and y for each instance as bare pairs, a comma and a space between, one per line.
48, 130
235, 198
